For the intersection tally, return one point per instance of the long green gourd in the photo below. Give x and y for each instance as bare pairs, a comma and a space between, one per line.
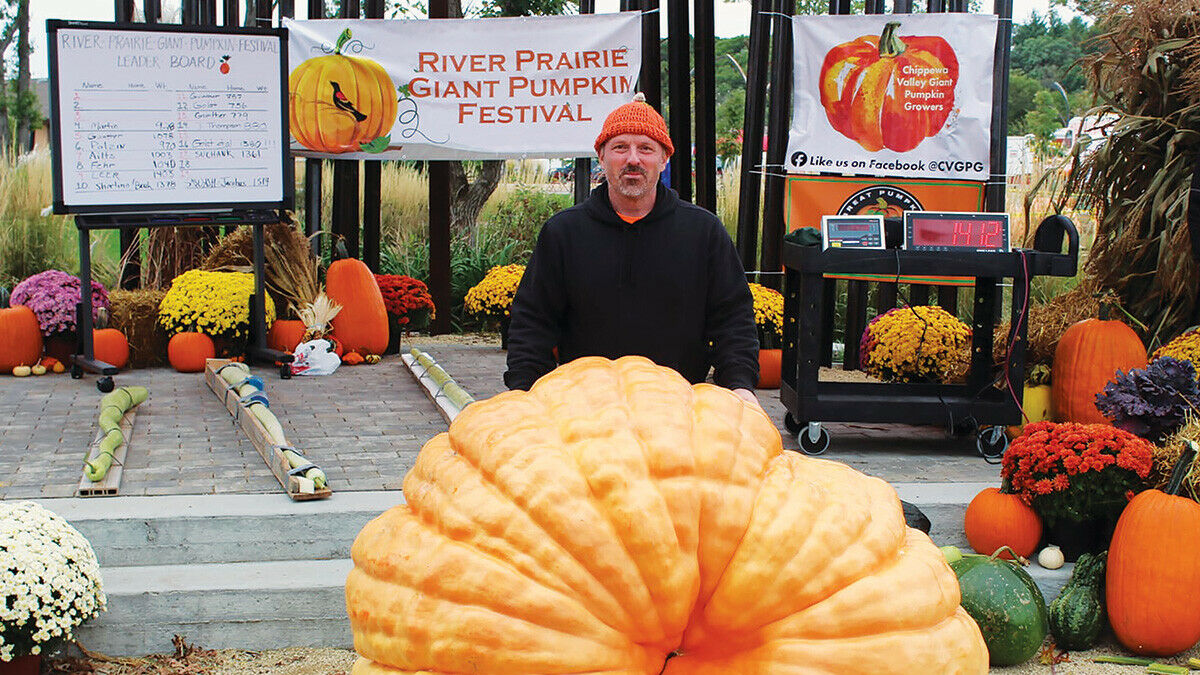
235, 374
113, 407
457, 395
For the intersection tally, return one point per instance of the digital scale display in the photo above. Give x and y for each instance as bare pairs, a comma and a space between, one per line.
942, 231
852, 231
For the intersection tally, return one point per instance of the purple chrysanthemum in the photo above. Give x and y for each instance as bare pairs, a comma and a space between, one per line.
52, 295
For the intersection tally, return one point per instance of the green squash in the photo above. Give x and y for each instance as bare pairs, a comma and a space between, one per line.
1006, 603
1077, 614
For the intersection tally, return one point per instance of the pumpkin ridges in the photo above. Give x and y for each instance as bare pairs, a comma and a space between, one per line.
21, 336
994, 519
1086, 358
362, 325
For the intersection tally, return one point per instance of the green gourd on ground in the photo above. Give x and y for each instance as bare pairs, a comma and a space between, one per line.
113, 407
1005, 602
237, 376
1077, 614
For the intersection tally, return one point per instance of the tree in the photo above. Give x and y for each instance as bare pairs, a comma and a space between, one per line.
1021, 91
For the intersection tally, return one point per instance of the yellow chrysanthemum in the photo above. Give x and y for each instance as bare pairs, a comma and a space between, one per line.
913, 344
213, 303
768, 312
1186, 347
492, 297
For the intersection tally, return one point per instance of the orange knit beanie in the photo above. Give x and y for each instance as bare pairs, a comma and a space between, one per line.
636, 117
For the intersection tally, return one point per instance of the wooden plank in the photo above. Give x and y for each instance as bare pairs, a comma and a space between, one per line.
271, 454
110, 485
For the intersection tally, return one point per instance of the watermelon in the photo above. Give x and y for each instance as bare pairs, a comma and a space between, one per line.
1006, 603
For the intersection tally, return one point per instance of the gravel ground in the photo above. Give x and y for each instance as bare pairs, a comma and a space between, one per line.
191, 660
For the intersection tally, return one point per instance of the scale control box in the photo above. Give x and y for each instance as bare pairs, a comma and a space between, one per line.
852, 232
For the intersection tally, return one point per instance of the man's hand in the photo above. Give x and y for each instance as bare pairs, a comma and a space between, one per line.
749, 397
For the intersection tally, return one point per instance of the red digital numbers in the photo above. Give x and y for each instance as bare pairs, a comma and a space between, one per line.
992, 236
981, 235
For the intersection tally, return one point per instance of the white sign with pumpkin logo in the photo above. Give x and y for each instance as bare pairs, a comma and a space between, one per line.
458, 88
893, 95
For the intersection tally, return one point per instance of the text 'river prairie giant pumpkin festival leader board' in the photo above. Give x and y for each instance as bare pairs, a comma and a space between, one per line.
159, 118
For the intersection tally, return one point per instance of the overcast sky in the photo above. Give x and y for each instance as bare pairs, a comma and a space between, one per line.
732, 18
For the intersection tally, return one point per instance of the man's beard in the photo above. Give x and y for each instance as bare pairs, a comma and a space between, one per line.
634, 190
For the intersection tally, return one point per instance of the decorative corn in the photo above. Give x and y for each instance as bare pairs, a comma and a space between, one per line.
113, 407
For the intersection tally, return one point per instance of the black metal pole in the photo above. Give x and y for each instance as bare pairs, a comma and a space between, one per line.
312, 170
902, 7
935, 6
582, 181
874, 7
130, 239
994, 192
777, 132
750, 184
439, 219
153, 10
839, 6
651, 82
679, 114
232, 13
706, 105
345, 179
372, 175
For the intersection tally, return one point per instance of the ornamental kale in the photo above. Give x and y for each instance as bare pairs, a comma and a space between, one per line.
1152, 403
53, 295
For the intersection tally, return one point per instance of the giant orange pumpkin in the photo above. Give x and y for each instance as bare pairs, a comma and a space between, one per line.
615, 515
20, 338
1154, 572
362, 325
995, 519
889, 91
339, 102
1087, 357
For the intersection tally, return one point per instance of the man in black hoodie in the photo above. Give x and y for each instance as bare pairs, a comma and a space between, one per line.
635, 270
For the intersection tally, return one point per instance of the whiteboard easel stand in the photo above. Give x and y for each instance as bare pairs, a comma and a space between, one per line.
84, 358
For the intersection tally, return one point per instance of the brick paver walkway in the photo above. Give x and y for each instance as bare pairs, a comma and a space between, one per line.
362, 425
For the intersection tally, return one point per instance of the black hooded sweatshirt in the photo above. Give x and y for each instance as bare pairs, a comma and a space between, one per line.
662, 287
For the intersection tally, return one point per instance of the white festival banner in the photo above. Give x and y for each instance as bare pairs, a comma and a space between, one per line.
893, 95
458, 88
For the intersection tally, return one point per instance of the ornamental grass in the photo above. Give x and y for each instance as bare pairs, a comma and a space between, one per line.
491, 299
913, 344
135, 313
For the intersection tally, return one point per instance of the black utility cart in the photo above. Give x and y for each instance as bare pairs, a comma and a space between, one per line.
977, 405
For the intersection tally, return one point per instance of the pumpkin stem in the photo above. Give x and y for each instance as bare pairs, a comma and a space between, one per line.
339, 250
890, 44
1182, 467
1021, 560
342, 40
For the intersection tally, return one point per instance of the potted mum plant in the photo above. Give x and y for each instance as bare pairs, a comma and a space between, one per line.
1078, 478
49, 584
490, 299
409, 306
768, 318
914, 344
53, 296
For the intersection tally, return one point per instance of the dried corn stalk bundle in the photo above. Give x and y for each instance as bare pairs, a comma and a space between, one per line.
135, 313
1147, 72
290, 269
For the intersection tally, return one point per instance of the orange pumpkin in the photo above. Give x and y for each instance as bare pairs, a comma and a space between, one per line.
770, 368
186, 352
20, 338
339, 102
614, 515
110, 346
867, 83
362, 325
996, 519
285, 334
1087, 357
1154, 571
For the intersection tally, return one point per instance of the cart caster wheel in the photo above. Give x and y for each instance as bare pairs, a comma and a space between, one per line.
814, 439
991, 442
76, 372
791, 424
104, 384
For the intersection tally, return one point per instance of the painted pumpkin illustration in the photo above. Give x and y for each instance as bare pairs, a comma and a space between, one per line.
889, 92
339, 102
881, 207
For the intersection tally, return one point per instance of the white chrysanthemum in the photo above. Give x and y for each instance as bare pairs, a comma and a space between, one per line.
49, 579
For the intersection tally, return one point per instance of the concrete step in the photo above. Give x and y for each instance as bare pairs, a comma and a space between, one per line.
196, 529
298, 603
945, 504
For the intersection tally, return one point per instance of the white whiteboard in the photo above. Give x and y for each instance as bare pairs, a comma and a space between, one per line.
149, 119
